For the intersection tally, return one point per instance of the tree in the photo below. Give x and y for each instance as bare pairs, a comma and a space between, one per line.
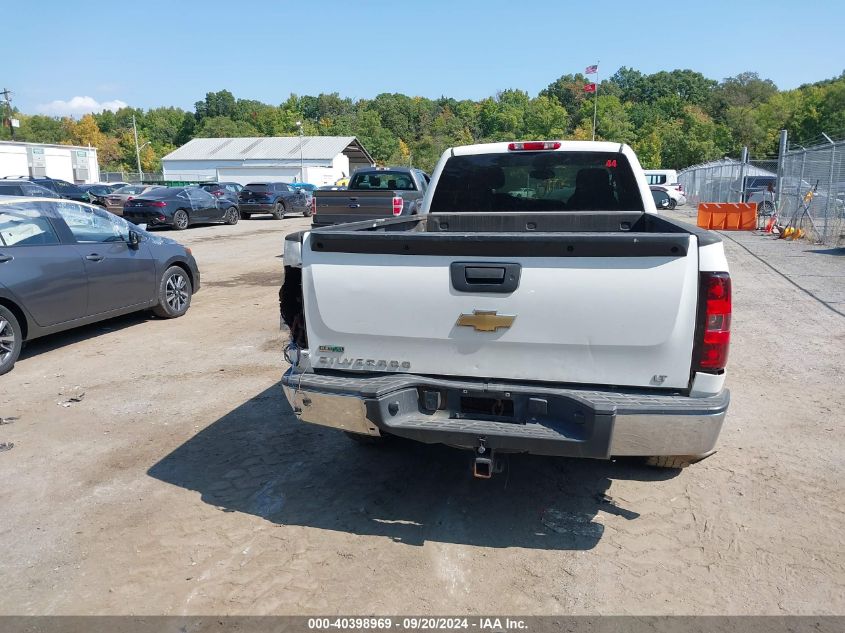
216, 104
222, 127
612, 121
545, 118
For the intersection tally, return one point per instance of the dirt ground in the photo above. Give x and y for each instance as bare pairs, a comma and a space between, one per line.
180, 483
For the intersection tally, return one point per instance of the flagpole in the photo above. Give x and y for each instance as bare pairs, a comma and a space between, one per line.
596, 99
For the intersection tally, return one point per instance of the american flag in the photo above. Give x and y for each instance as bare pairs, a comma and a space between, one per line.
590, 88
591, 70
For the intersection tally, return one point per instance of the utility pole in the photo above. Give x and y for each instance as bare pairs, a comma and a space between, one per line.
301, 167
596, 99
7, 99
137, 149
783, 147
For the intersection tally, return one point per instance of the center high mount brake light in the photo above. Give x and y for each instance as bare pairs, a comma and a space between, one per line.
528, 146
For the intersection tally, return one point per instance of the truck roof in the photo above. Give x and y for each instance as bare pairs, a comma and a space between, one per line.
565, 146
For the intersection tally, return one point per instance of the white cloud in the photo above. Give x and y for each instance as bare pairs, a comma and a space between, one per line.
78, 106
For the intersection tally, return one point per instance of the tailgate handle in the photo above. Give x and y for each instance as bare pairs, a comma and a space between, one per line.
484, 277
484, 274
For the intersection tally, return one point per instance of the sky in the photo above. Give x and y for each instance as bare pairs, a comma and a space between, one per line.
68, 58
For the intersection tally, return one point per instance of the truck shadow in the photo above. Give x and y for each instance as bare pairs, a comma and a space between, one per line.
258, 459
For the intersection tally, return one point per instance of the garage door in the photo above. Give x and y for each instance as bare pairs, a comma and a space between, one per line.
247, 175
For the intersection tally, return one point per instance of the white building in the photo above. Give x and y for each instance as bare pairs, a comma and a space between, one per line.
319, 160
38, 160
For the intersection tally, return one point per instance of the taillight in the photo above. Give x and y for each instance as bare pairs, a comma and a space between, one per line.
528, 146
397, 205
128, 198
714, 330
313, 205
217, 193
160, 204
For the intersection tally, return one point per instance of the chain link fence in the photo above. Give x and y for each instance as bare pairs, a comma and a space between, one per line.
133, 177
727, 180
812, 191
804, 186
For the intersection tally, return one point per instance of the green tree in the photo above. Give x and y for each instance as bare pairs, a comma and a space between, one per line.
221, 127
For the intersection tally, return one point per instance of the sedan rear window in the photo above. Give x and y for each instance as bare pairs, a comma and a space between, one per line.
130, 189
537, 181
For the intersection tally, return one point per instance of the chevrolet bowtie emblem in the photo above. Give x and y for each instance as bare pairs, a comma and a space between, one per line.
486, 321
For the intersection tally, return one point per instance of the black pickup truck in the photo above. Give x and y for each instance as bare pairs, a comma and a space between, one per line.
373, 193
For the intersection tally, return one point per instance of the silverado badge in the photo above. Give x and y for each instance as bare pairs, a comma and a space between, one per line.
486, 320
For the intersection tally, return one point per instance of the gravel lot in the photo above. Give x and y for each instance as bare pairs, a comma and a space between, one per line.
180, 483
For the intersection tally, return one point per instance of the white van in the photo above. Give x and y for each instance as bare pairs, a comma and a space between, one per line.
661, 176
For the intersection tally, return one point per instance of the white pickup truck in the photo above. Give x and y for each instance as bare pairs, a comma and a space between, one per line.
537, 304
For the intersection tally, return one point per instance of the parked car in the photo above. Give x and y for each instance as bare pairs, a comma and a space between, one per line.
662, 200
63, 188
676, 197
307, 186
581, 326
373, 192
228, 190
179, 207
757, 184
117, 198
275, 198
97, 194
64, 264
25, 188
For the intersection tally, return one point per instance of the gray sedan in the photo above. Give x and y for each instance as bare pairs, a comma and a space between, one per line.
64, 264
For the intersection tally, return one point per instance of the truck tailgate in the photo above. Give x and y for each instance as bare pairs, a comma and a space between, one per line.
619, 315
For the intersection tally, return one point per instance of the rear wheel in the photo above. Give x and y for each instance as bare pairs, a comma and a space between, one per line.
174, 293
232, 216
180, 220
11, 340
279, 211
672, 203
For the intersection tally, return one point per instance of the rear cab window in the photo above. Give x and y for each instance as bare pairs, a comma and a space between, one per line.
386, 180
537, 181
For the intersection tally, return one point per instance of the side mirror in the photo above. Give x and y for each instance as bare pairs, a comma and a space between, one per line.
134, 240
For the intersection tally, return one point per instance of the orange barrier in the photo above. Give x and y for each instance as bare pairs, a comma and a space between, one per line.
727, 216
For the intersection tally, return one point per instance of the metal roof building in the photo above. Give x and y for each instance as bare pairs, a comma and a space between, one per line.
39, 160
320, 160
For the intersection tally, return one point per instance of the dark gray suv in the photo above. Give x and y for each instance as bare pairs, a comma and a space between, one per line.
64, 264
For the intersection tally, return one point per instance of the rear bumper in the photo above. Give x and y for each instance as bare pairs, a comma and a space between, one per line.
150, 218
539, 419
256, 207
